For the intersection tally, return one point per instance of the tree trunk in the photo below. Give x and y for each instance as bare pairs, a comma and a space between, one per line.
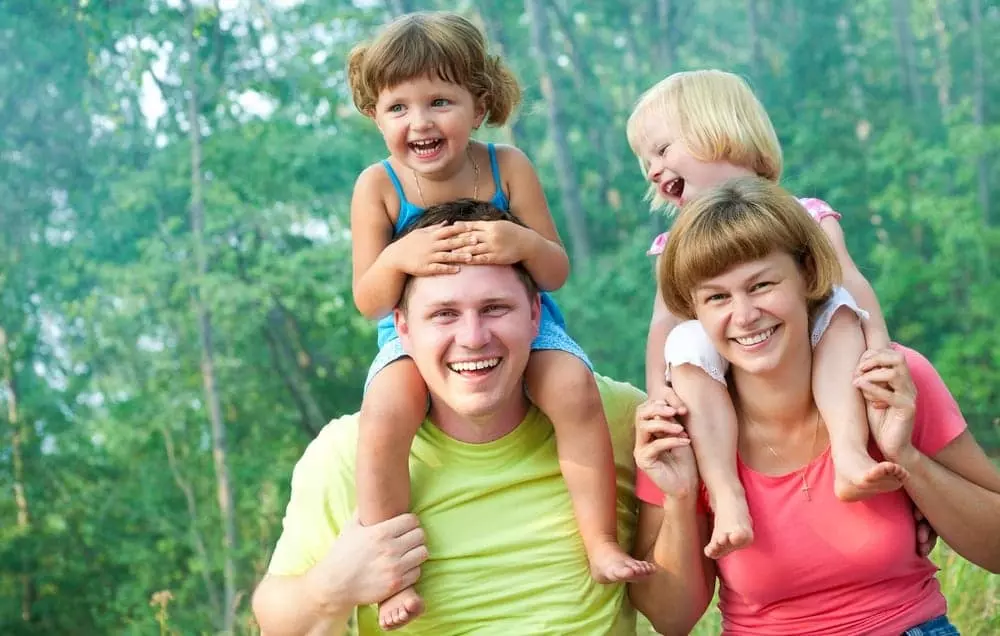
907, 52
285, 362
979, 101
597, 136
665, 52
491, 15
197, 212
192, 509
756, 53
568, 185
942, 75
399, 7
17, 435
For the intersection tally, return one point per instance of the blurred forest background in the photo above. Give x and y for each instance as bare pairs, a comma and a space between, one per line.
176, 319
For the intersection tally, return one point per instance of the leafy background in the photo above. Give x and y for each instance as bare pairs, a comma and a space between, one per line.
175, 313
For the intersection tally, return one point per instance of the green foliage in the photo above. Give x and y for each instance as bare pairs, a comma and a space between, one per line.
119, 529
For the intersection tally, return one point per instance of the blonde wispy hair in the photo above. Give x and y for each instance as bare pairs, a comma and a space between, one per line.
716, 115
432, 44
743, 220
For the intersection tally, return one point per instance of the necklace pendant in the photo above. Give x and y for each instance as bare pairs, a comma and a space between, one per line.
805, 488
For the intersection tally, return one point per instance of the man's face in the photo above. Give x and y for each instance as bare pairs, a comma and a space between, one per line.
470, 336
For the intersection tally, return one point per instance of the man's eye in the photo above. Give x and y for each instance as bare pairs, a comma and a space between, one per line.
495, 310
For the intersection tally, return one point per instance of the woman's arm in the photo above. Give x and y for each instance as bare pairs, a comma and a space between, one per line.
875, 329
672, 535
676, 596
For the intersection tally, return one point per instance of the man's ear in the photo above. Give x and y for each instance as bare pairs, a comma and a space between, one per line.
402, 328
536, 312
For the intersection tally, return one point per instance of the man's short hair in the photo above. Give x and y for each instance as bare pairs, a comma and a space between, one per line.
464, 210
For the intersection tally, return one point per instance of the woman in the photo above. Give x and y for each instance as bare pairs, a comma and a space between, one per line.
751, 266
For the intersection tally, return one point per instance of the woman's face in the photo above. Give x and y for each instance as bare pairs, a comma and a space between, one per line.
755, 312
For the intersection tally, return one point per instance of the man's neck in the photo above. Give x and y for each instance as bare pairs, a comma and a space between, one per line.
479, 430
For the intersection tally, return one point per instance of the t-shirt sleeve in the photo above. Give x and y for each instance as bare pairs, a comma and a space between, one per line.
819, 209
938, 420
646, 490
315, 509
659, 244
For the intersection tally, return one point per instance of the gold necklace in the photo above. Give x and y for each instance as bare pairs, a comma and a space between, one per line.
475, 187
802, 472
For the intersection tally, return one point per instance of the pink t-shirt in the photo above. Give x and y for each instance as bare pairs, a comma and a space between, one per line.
822, 566
817, 209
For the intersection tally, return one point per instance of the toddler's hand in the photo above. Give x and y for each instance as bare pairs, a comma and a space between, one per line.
496, 243
433, 250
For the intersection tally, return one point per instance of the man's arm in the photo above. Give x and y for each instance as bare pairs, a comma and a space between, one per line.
676, 596
364, 565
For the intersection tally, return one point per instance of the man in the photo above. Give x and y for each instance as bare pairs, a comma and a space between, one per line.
502, 553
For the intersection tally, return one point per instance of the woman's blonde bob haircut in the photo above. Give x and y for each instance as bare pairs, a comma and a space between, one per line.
440, 44
715, 114
741, 221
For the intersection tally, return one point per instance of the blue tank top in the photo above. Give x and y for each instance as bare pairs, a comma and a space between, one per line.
410, 212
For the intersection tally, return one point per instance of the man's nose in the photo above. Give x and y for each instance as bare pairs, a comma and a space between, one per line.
473, 332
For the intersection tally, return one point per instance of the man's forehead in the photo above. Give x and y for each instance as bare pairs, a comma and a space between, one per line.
472, 283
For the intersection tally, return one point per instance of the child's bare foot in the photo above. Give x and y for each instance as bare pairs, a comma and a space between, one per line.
860, 477
731, 529
399, 609
610, 564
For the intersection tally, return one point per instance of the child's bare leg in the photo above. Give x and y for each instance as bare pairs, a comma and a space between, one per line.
711, 423
564, 389
391, 412
842, 407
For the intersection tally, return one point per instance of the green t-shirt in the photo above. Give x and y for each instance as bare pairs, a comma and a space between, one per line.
505, 553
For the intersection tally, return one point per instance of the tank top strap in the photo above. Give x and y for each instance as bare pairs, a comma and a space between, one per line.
408, 212
494, 166
499, 198
395, 181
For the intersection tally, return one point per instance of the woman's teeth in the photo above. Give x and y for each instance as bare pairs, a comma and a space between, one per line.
747, 341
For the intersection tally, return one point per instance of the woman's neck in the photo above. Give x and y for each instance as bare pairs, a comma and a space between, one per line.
779, 399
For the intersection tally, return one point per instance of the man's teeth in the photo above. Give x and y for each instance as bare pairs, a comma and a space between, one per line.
477, 365
752, 340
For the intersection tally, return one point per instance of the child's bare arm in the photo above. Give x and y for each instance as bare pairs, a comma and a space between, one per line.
381, 267
660, 324
875, 329
539, 249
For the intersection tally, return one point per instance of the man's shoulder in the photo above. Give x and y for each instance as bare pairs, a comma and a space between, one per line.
620, 398
331, 452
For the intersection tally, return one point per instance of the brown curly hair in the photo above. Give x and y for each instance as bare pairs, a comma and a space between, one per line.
432, 43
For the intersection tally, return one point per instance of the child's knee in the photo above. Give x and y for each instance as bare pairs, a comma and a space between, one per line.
397, 392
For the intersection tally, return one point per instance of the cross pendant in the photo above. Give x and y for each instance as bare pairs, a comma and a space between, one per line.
805, 488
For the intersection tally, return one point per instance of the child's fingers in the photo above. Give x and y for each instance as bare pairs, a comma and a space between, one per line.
879, 358
881, 375
878, 393
438, 269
